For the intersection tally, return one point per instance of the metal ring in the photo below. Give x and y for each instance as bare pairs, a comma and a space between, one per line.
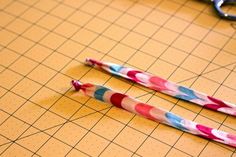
220, 12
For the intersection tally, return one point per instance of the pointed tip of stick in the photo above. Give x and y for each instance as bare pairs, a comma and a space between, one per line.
76, 84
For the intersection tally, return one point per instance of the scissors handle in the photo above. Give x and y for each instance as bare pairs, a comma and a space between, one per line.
217, 6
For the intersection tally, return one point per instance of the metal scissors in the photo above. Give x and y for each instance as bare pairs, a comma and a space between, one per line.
217, 4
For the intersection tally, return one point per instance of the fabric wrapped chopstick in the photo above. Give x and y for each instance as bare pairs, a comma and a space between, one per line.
164, 86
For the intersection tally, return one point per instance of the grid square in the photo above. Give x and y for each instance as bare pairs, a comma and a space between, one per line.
135, 138
116, 32
187, 13
56, 61
49, 22
45, 5
89, 53
122, 52
25, 112
127, 21
23, 65
9, 78
75, 133
92, 7
80, 18
18, 26
97, 105
26, 88
15, 150
230, 81
191, 144
215, 150
84, 112
196, 32
194, 64
35, 33
154, 48
152, 146
230, 46
29, 142
66, 29
139, 58
142, 124
168, 7
45, 97
102, 44
71, 48
6, 37
173, 56
62, 11
215, 39
206, 21
13, 124
185, 113
38, 53
2, 91
224, 58
139, 10
21, 45
121, 5
89, 119
10, 102
120, 115
118, 85
185, 43
65, 107
89, 141
165, 36
109, 14
166, 134
75, 70
7, 57
5, 19
54, 148
88, 36
160, 102
107, 128
53, 41
16, 8
134, 40
205, 85
48, 120
32, 15
59, 83
114, 149
4, 116
95, 76
200, 51
162, 69
41, 74
225, 93
146, 28
157, 17
176, 24
97, 25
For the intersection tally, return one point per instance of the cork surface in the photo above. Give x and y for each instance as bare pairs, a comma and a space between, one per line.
43, 45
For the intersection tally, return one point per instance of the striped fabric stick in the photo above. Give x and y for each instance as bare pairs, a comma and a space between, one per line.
125, 102
165, 86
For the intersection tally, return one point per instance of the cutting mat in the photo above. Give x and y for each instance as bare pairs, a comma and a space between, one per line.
44, 43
